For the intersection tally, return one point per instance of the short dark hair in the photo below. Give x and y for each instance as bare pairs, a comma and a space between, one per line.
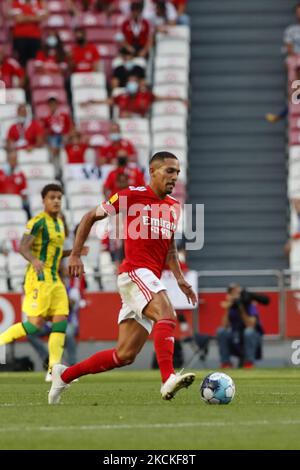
51, 187
161, 156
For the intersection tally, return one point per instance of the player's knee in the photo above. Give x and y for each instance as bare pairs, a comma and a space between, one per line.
126, 357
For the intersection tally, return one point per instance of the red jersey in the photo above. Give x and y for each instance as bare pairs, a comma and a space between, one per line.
136, 32
58, 123
110, 151
139, 103
13, 184
150, 224
49, 62
135, 178
27, 30
85, 57
10, 68
76, 152
24, 136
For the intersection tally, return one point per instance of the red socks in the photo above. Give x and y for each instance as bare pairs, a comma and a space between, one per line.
164, 346
99, 362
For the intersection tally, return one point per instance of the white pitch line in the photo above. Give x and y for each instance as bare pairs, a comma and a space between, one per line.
96, 427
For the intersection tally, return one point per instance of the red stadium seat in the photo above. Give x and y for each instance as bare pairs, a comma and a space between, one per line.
58, 22
97, 35
57, 7
295, 123
294, 138
107, 50
42, 95
46, 81
92, 20
294, 109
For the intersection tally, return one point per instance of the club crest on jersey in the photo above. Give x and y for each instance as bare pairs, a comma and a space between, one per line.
113, 199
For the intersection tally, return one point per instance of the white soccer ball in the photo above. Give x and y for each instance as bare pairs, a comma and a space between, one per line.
217, 389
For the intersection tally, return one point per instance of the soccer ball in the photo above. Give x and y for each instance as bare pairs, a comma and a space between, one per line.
217, 389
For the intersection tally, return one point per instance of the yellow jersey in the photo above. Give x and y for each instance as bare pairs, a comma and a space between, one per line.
49, 237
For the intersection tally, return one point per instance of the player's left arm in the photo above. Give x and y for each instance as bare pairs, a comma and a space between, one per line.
174, 265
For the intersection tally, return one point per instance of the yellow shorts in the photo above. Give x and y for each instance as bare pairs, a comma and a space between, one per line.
45, 299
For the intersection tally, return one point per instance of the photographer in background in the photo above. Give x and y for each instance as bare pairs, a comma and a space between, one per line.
241, 332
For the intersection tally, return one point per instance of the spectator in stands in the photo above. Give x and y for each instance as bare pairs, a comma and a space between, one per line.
58, 125
136, 101
241, 331
11, 72
291, 36
115, 182
13, 180
76, 147
27, 16
137, 31
26, 133
84, 57
52, 58
125, 65
109, 152
182, 17
163, 17
150, 11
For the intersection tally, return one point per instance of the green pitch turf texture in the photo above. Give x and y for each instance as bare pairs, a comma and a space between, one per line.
123, 410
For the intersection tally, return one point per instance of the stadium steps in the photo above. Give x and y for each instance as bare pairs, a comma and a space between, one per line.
237, 161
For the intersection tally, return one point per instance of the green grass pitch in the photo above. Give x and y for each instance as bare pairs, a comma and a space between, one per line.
123, 410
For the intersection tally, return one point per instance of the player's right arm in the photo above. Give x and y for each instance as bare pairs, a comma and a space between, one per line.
76, 267
25, 250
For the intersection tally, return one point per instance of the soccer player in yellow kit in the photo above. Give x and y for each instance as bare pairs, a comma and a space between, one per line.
45, 294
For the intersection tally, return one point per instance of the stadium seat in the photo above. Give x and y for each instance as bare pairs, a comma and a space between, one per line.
45, 170
171, 62
12, 217
85, 80
58, 21
83, 201
36, 185
84, 187
107, 51
92, 20
94, 245
137, 138
67, 36
3, 274
3, 155
15, 95
92, 111
174, 90
8, 111
181, 32
170, 139
101, 35
95, 127
170, 76
46, 81
83, 95
97, 140
11, 232
40, 96
168, 123
10, 202
135, 125
36, 156
57, 6
170, 47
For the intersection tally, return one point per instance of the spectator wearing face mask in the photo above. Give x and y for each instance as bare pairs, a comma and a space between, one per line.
125, 65
27, 16
84, 57
25, 133
109, 153
136, 100
134, 175
52, 57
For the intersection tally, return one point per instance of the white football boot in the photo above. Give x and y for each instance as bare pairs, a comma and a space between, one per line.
175, 383
58, 385
48, 377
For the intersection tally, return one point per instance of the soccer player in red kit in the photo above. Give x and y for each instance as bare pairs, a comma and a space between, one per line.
151, 216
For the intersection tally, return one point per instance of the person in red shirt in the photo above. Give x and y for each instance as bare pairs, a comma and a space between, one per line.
109, 152
11, 72
13, 180
25, 134
76, 147
180, 6
85, 57
58, 125
27, 16
52, 58
137, 32
150, 215
134, 175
